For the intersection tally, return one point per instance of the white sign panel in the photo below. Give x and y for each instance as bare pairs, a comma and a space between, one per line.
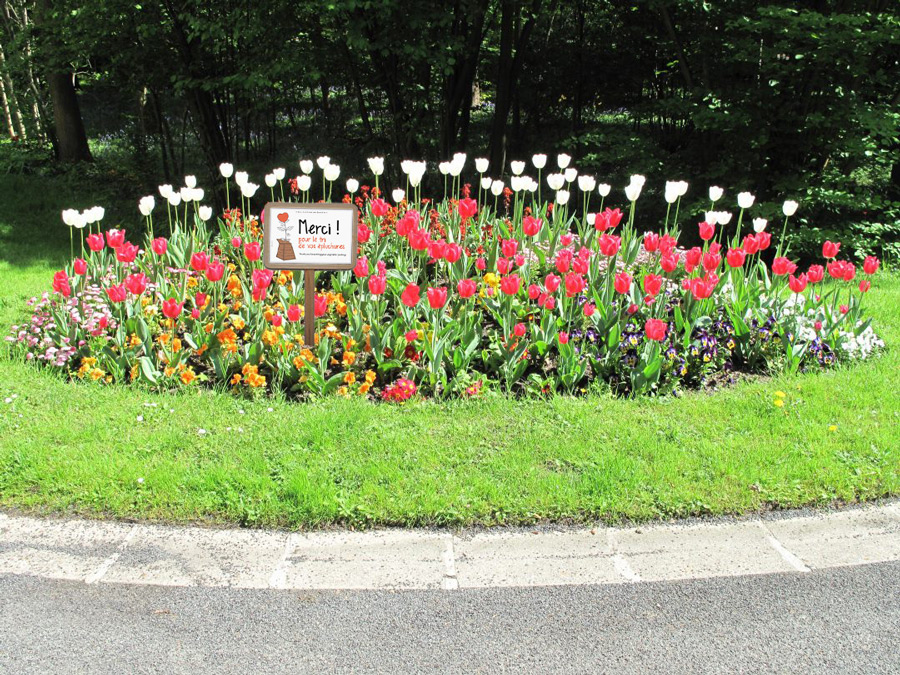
309, 236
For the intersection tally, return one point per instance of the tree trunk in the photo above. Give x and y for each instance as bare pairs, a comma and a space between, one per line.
70, 134
9, 121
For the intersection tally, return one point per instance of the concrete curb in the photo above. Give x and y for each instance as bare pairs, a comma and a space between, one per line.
111, 552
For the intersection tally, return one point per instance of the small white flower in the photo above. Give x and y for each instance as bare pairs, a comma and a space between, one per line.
226, 169
570, 174
497, 188
539, 160
517, 183
562, 197
187, 194
332, 172
759, 224
303, 183
637, 179
190, 181
165, 191
241, 178
682, 187
562, 160
456, 166
586, 183
715, 193
632, 192
555, 181
279, 173
486, 182
603, 189
198, 194
270, 180
352, 185
789, 208
671, 196
517, 167
140, 481
376, 165
417, 171
174, 198
406, 166
69, 216
205, 213
201, 432
724, 217
711, 217
249, 189
140, 418
323, 161
146, 205
444, 168
306, 166
745, 200
532, 185
481, 164
397, 195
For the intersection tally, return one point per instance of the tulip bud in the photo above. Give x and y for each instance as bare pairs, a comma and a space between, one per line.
190, 181
398, 195
563, 160
497, 188
481, 164
323, 162
517, 167
604, 189
486, 183
226, 169
539, 160
279, 173
306, 166
789, 208
270, 180
304, 183
759, 224
205, 213
376, 165
745, 200
715, 193
352, 185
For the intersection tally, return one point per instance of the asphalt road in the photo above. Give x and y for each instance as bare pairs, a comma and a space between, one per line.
841, 620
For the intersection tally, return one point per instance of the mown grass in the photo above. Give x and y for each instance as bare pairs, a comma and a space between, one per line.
207, 456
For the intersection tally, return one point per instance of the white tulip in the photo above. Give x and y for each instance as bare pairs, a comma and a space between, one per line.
603, 189
69, 216
226, 169
516, 183
682, 187
376, 165
745, 200
198, 194
555, 181
497, 188
711, 217
205, 213
671, 195
633, 191
187, 194
539, 160
241, 178
146, 205
165, 191
586, 183
444, 168
303, 183
571, 173
398, 195
532, 185
279, 173
174, 198
249, 189
323, 161
715, 193
87, 216
486, 182
590, 218
637, 179
190, 181
562, 160
459, 158
98, 212
332, 172
517, 167
481, 164
415, 177
306, 166
456, 166
406, 166
562, 197
724, 217
789, 208
759, 224
79, 221
352, 185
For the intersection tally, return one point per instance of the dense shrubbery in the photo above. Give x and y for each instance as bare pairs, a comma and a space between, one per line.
490, 289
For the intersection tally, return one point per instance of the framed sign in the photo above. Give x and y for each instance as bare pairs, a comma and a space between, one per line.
309, 236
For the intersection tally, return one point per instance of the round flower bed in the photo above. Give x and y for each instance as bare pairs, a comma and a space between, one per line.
477, 292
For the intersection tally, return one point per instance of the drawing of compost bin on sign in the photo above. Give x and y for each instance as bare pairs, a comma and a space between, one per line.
285, 250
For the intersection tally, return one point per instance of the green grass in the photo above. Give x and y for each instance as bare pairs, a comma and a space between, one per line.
79, 448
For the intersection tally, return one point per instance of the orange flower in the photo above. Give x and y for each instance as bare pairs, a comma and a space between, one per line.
349, 377
188, 376
349, 359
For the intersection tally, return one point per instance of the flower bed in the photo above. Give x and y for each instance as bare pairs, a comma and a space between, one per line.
491, 290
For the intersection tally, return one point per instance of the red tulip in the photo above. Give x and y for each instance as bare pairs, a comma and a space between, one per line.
61, 284
115, 238
377, 285
509, 247
622, 283
320, 305
410, 295
531, 225
551, 282
380, 207
632, 308
607, 220
362, 268
864, 286
651, 242
418, 240
566, 239
363, 233
669, 262
481, 264
797, 284
830, 249
215, 270
736, 256
95, 242
293, 313
510, 284
870, 264
693, 256
466, 288
534, 291
261, 279
575, 284
763, 239
815, 274
467, 208
79, 266
711, 261
589, 309
252, 251
667, 243
519, 330
563, 338
652, 284
136, 283
159, 246
200, 300
609, 244
199, 261
171, 308
707, 230
236, 242
126, 252
751, 244
502, 265
563, 261
453, 253
701, 287
411, 335
655, 329
782, 266
842, 269
437, 297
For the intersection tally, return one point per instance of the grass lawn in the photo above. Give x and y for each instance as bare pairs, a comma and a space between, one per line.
208, 456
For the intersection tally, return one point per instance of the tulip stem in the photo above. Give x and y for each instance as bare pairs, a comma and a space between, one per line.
71, 243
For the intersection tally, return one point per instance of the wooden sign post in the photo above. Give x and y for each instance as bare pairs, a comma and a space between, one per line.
309, 237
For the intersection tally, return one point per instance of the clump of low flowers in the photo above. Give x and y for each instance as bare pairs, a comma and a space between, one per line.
487, 289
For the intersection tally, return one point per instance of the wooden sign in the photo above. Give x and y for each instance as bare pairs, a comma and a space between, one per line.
309, 237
